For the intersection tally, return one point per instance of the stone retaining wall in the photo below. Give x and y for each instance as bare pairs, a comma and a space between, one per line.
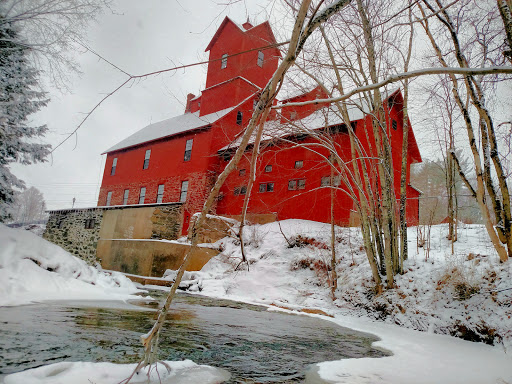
77, 231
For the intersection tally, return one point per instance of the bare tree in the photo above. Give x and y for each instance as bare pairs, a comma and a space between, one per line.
28, 206
50, 30
471, 94
300, 33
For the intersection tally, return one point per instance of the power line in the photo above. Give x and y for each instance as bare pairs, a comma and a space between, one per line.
133, 77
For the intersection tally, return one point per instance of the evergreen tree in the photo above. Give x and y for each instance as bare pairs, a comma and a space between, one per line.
19, 98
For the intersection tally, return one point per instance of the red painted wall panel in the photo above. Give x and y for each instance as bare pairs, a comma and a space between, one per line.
167, 165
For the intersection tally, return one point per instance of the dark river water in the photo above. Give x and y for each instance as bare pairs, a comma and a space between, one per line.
253, 344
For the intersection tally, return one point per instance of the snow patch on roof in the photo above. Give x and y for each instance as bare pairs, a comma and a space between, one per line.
169, 127
319, 119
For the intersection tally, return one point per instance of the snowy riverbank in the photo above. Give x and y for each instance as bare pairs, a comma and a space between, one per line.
464, 294
35, 270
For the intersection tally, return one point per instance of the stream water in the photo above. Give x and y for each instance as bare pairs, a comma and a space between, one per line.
253, 344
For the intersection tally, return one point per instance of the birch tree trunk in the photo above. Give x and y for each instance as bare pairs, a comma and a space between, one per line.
300, 34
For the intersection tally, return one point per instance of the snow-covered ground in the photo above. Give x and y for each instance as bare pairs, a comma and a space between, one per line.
181, 372
465, 294
35, 270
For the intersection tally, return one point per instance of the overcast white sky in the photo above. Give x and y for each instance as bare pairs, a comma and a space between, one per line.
142, 36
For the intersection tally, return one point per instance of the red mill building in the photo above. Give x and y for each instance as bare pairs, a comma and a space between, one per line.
178, 159
157, 178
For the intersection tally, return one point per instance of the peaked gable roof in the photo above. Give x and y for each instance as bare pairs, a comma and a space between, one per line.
241, 28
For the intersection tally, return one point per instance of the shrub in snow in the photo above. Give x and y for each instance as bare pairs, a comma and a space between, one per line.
301, 241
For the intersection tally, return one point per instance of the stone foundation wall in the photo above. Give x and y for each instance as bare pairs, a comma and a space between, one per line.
67, 228
166, 222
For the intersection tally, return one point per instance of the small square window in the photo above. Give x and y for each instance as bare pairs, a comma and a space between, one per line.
263, 187
241, 172
89, 223
302, 184
292, 185
268, 168
239, 117
261, 58
326, 181
394, 124
224, 61
125, 196
114, 165
236, 191
142, 195
146, 159
270, 187
243, 190
299, 164
337, 181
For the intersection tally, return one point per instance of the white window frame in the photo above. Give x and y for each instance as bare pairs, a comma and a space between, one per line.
188, 150
160, 193
147, 156
142, 195
114, 165
224, 61
183, 191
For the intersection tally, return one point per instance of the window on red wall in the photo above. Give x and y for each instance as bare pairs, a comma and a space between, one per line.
297, 184
125, 196
160, 193
146, 159
224, 61
394, 124
261, 58
188, 150
239, 117
266, 187
268, 168
109, 198
299, 164
142, 195
241, 172
114, 165
184, 190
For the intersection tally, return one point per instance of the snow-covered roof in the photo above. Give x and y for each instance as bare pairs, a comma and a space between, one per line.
169, 127
319, 119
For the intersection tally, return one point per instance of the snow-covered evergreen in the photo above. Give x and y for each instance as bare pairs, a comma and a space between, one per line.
19, 98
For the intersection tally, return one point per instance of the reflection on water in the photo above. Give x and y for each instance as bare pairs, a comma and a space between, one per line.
251, 343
